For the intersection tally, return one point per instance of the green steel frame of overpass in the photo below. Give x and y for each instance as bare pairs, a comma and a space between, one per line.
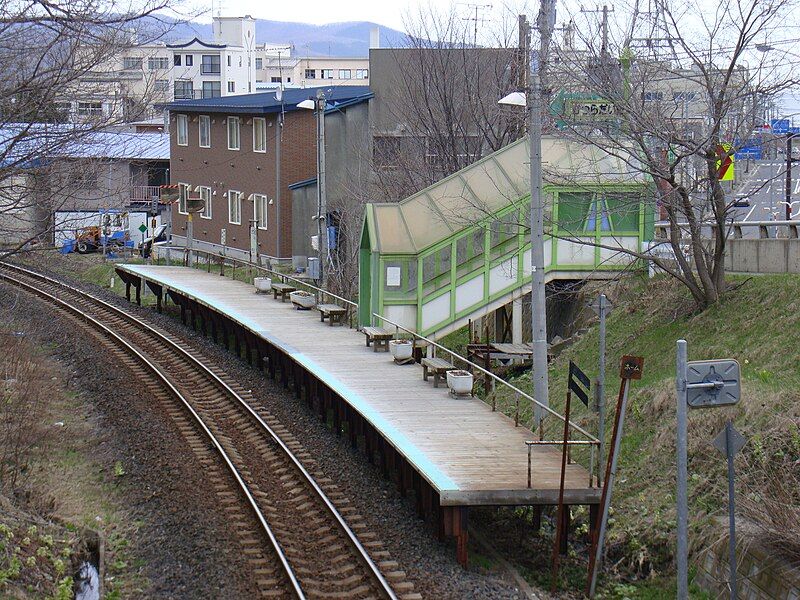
485, 256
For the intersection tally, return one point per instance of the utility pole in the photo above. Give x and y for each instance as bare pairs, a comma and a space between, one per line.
788, 176
545, 22
322, 211
604, 27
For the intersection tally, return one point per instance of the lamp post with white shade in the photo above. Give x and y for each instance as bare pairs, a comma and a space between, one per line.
318, 104
532, 101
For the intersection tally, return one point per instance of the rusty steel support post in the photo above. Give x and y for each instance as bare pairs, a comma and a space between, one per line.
462, 535
536, 518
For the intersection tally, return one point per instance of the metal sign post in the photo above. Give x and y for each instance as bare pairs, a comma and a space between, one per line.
699, 384
576, 376
631, 368
682, 555
729, 442
601, 307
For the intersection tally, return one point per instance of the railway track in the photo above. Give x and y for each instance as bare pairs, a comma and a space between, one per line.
298, 532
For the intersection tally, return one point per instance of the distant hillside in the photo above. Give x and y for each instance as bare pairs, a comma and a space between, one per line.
334, 39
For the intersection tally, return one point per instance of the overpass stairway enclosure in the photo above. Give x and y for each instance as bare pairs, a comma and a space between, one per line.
460, 249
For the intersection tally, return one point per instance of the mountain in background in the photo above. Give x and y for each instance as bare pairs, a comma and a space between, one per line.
350, 39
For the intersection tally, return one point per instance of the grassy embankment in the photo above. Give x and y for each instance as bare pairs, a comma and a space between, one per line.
757, 323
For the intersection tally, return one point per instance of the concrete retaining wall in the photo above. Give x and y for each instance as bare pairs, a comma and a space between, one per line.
773, 255
761, 575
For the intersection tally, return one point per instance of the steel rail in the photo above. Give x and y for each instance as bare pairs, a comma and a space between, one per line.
175, 392
363, 554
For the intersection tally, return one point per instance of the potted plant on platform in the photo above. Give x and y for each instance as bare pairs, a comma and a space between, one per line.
263, 284
303, 300
460, 382
401, 349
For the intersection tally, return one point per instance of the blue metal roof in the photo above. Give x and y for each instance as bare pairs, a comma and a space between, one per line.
265, 102
301, 184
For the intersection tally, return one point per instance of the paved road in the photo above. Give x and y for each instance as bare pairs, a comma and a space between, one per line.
765, 188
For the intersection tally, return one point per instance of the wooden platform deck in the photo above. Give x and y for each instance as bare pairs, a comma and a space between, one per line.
470, 455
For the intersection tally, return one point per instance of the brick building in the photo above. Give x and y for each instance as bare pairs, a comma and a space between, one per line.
241, 154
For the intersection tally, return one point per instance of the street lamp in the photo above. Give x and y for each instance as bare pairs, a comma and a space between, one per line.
532, 101
319, 104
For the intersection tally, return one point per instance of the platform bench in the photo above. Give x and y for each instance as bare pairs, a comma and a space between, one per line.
379, 337
438, 367
284, 289
333, 312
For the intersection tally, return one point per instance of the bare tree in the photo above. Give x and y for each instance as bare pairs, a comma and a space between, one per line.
441, 113
48, 50
673, 104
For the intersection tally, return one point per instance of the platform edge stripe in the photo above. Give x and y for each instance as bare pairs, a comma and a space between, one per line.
398, 440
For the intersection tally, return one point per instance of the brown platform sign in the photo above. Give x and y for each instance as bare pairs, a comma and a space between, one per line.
631, 367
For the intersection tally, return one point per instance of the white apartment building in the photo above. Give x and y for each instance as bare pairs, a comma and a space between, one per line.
311, 71
134, 84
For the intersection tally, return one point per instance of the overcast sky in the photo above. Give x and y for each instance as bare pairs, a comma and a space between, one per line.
393, 13
384, 12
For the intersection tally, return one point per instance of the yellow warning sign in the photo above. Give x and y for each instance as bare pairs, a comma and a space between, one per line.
725, 162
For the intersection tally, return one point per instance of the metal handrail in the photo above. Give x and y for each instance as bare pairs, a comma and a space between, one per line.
707, 223
252, 265
515, 389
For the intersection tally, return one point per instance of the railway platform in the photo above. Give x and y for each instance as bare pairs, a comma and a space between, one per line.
454, 452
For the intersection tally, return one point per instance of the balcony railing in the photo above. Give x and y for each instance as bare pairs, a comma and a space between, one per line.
186, 94
142, 195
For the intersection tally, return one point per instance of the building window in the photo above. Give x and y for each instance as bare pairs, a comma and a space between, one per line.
684, 96
87, 109
259, 134
189, 60
157, 62
205, 196
229, 60
183, 89
653, 96
233, 133
176, 60
231, 87
212, 89
327, 73
276, 79
235, 207
240, 61
183, 130
344, 73
161, 85
210, 64
260, 210
259, 63
311, 74
204, 128
131, 64
362, 73
183, 195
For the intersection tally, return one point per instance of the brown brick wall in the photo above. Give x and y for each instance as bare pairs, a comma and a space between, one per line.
247, 172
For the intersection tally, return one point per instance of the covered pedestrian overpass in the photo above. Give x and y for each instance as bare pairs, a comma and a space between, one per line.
460, 248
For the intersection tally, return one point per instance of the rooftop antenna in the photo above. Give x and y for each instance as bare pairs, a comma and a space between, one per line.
477, 18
